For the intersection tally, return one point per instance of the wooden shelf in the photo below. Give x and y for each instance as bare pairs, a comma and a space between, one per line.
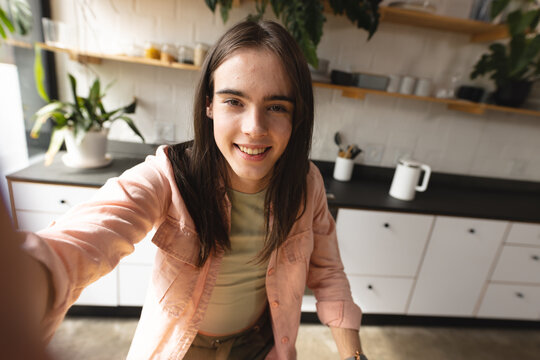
346, 91
478, 30
452, 104
96, 58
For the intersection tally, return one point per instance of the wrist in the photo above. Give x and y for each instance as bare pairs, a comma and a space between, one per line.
357, 356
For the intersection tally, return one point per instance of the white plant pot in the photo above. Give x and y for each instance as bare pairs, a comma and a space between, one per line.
90, 153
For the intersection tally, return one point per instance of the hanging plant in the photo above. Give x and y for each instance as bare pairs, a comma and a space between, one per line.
304, 19
15, 17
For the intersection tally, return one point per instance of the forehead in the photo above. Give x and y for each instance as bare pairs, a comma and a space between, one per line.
256, 70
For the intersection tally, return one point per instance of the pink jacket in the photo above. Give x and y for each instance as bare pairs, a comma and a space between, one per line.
90, 240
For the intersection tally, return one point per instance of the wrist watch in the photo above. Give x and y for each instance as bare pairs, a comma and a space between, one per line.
357, 356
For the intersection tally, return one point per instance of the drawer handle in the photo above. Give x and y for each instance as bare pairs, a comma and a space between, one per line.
520, 295
370, 287
535, 257
63, 201
386, 225
472, 231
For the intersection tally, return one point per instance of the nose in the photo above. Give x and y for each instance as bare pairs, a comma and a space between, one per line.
254, 123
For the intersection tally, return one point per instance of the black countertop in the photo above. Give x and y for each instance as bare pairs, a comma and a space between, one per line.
451, 195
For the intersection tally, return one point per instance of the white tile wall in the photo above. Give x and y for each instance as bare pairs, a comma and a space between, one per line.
494, 144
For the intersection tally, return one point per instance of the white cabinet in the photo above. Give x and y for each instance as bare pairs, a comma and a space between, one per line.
381, 253
383, 295
36, 205
518, 264
511, 301
381, 243
524, 233
456, 266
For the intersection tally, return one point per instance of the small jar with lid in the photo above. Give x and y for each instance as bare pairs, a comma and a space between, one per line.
185, 54
168, 53
200, 54
152, 50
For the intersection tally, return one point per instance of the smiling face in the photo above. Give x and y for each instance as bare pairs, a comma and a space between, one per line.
252, 110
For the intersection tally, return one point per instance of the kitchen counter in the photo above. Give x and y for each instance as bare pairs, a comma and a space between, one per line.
451, 195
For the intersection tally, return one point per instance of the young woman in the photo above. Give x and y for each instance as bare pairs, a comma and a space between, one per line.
241, 217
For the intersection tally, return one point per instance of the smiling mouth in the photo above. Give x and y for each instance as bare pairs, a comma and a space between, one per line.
253, 151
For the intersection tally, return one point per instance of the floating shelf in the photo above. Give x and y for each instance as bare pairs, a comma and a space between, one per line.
478, 30
452, 104
96, 58
346, 91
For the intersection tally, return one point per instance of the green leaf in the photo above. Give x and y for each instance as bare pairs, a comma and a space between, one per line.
314, 20
39, 74
519, 22
132, 126
49, 108
2, 32
211, 4
224, 8
21, 15
497, 6
57, 139
6, 21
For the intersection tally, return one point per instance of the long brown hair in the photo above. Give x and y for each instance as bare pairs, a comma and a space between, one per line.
200, 172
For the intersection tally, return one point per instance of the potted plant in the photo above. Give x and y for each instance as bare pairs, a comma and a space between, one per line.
304, 18
83, 124
515, 65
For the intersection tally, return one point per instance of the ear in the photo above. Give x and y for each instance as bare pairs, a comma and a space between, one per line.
209, 112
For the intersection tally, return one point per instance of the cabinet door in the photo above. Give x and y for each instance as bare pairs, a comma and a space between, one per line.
511, 302
455, 268
104, 292
381, 295
144, 252
519, 264
133, 283
382, 243
524, 233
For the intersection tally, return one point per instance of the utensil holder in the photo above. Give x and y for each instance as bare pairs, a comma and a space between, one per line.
343, 169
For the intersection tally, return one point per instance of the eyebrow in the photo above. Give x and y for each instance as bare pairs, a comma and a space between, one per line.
266, 98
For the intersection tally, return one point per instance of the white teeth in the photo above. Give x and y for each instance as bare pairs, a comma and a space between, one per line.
251, 151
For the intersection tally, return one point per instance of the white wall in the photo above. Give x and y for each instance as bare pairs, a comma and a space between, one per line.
13, 153
494, 144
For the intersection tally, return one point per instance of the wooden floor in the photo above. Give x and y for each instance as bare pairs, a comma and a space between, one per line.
109, 338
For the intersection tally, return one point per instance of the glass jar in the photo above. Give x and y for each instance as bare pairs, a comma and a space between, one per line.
200, 53
168, 53
152, 50
185, 54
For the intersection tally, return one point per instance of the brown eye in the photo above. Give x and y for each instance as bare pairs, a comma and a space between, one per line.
278, 108
232, 102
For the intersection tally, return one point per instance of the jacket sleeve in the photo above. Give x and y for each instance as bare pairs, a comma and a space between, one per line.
326, 277
88, 242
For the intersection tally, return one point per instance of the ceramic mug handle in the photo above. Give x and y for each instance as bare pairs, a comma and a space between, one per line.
427, 174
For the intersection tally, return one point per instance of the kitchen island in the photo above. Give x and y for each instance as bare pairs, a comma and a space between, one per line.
468, 247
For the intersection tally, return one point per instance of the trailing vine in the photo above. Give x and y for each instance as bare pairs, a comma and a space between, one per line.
304, 19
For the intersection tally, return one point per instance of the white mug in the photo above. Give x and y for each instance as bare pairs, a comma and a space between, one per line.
405, 181
423, 87
407, 85
393, 84
343, 169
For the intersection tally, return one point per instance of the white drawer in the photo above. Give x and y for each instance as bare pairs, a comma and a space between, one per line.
103, 292
49, 198
524, 233
381, 295
34, 221
518, 264
511, 302
382, 243
133, 283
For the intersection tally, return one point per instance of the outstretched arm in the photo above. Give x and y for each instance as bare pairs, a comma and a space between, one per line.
347, 341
